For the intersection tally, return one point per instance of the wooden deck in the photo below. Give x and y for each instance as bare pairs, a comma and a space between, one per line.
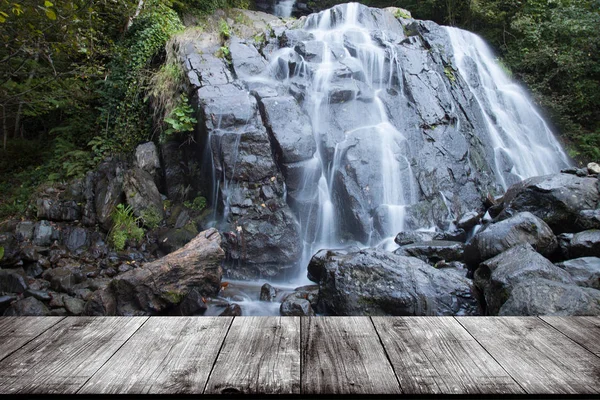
293, 355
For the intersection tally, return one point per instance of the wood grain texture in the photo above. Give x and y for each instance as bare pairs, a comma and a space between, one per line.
583, 330
433, 355
260, 355
343, 355
15, 332
541, 359
63, 358
167, 355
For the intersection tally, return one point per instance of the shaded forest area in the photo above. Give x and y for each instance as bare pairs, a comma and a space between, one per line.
84, 79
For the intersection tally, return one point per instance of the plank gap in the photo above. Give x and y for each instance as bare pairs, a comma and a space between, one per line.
212, 368
385, 351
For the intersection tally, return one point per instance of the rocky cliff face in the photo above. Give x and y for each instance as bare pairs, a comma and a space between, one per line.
347, 126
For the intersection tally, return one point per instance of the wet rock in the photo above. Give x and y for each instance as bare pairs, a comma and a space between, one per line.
546, 297
12, 252
589, 219
268, 293
585, 271
6, 301
193, 304
74, 306
77, 239
41, 295
433, 251
108, 191
172, 160
408, 237
375, 282
62, 279
29, 306
291, 129
593, 168
42, 235
58, 210
521, 228
34, 270
246, 60
142, 194
292, 306
469, 220
174, 239
497, 276
24, 230
584, 244
162, 284
146, 158
557, 199
11, 282
232, 310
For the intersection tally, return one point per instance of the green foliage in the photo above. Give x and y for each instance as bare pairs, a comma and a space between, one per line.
224, 30
181, 119
151, 218
449, 72
198, 204
225, 54
401, 14
1, 253
125, 227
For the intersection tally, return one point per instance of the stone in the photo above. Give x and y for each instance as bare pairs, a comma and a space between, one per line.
146, 158
521, 228
74, 306
42, 235
268, 293
232, 310
11, 282
108, 192
375, 282
585, 244
408, 237
6, 301
295, 307
24, 230
546, 297
557, 199
62, 279
589, 219
11, 250
469, 220
174, 239
77, 239
41, 295
433, 251
34, 270
585, 271
497, 276
246, 60
161, 285
193, 304
29, 306
58, 210
593, 168
142, 194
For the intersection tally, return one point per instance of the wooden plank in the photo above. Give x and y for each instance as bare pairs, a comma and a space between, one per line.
541, 359
167, 355
63, 358
436, 355
343, 355
15, 332
260, 355
583, 330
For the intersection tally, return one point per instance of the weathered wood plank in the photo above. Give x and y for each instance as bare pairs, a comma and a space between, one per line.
15, 332
541, 359
583, 330
433, 355
167, 355
260, 355
343, 355
63, 358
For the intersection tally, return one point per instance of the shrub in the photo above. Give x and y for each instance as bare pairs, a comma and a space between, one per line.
198, 204
125, 227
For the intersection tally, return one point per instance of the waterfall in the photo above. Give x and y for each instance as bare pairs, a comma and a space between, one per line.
518, 131
283, 8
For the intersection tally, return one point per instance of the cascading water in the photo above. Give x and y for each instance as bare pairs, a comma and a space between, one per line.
518, 131
283, 8
396, 141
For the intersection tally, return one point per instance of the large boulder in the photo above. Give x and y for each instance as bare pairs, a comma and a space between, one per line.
146, 158
11, 282
161, 285
433, 251
29, 306
375, 282
557, 199
585, 271
546, 297
521, 228
497, 277
584, 244
57, 209
142, 194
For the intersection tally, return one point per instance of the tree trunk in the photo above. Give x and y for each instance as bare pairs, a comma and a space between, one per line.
137, 12
20, 109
